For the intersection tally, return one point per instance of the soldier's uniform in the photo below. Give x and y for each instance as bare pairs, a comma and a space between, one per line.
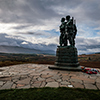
70, 30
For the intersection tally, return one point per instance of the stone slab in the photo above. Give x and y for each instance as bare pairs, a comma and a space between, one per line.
98, 85
24, 81
90, 86
7, 85
52, 84
77, 85
1, 83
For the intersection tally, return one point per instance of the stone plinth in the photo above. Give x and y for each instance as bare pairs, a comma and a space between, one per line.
66, 58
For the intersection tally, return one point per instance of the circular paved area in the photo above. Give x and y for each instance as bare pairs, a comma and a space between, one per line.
38, 75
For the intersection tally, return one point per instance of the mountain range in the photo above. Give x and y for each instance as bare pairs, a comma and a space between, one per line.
18, 50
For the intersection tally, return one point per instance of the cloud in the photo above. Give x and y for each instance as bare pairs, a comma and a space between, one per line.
83, 45
35, 23
41, 44
88, 45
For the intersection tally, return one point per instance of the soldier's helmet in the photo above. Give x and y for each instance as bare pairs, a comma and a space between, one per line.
62, 19
67, 17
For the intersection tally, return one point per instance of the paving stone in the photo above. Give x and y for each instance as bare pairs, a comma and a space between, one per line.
85, 79
5, 73
65, 78
76, 80
24, 87
27, 86
34, 73
23, 76
15, 78
4, 68
36, 76
24, 81
72, 74
93, 77
49, 72
64, 72
43, 84
33, 79
52, 84
39, 71
7, 85
56, 77
90, 86
37, 84
46, 76
41, 79
5, 78
13, 73
30, 72
49, 80
78, 73
89, 81
20, 85
31, 67
61, 85
77, 85
98, 80
98, 85
1, 83
98, 74
13, 86
65, 83
59, 80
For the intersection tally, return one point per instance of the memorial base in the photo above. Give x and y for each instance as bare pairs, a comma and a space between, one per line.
66, 59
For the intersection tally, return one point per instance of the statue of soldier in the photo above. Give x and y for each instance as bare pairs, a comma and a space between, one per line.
70, 30
62, 31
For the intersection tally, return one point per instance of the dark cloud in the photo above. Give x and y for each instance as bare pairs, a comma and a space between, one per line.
35, 33
85, 45
37, 11
9, 40
25, 11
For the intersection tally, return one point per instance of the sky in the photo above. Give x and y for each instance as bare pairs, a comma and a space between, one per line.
35, 23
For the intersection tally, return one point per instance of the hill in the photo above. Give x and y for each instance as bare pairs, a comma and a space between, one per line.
16, 49
91, 60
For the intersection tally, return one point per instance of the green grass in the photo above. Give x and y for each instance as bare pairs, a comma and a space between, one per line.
61, 93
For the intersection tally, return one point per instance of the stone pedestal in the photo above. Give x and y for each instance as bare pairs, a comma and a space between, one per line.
66, 59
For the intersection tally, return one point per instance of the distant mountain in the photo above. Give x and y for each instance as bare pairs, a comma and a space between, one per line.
97, 53
16, 49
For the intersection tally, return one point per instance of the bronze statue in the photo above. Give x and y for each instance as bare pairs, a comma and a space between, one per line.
68, 31
62, 31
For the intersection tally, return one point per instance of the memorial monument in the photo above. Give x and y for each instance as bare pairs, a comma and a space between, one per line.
66, 55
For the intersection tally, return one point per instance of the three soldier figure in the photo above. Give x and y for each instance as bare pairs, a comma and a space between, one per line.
68, 31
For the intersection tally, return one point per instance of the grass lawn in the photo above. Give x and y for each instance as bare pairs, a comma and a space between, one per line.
61, 93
